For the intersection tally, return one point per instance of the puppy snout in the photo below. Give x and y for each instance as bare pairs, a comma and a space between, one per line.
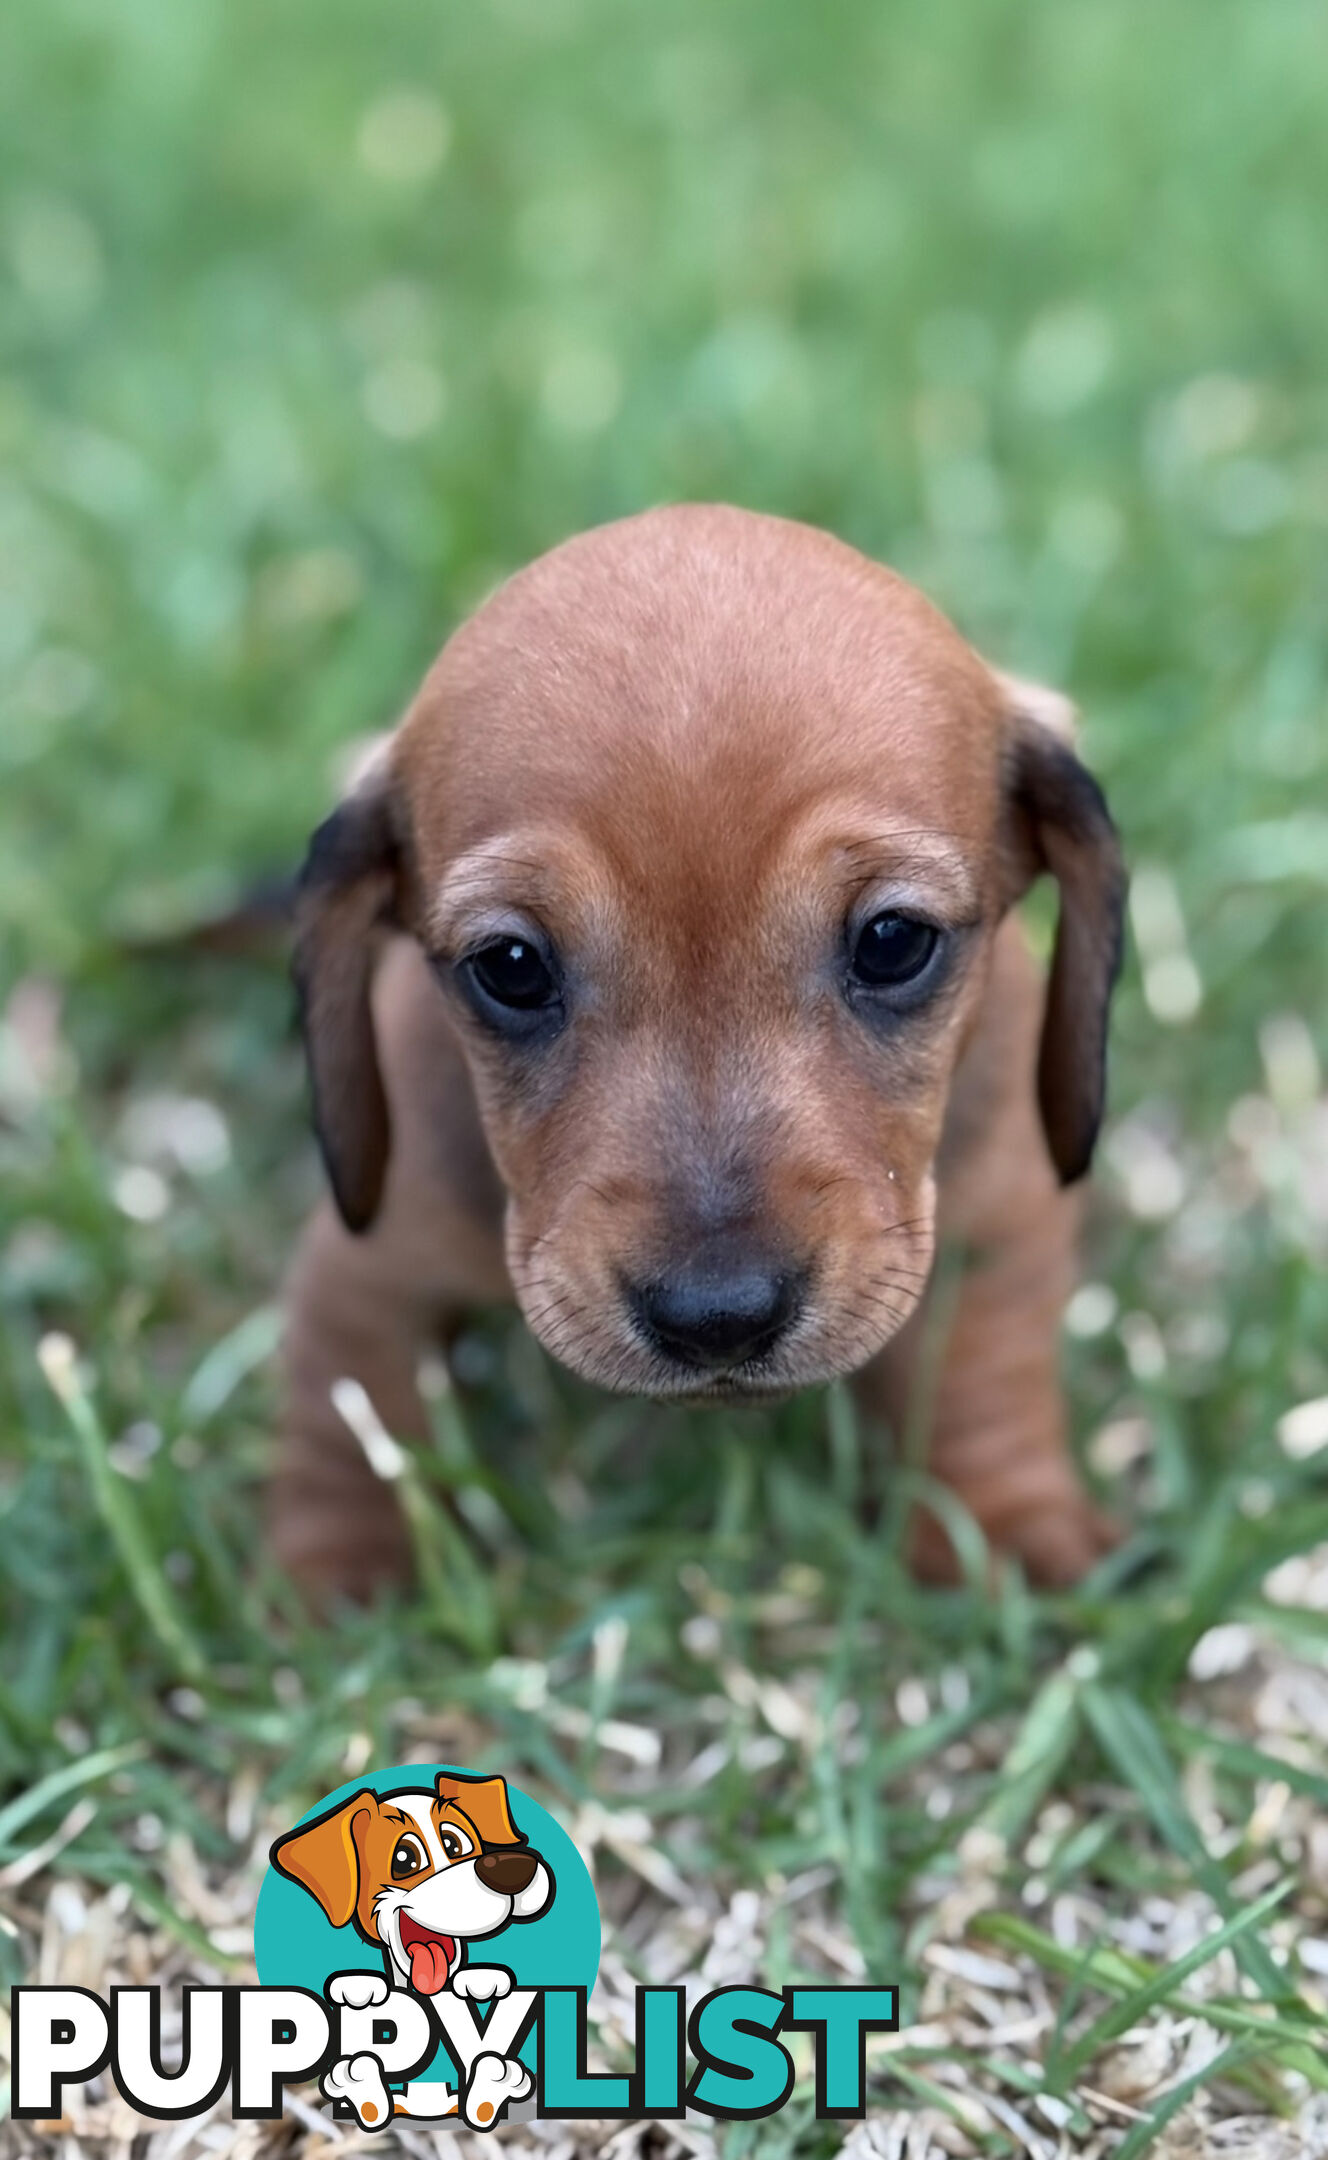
509, 1873
714, 1315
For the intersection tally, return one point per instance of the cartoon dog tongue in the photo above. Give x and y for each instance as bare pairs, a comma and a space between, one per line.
430, 1957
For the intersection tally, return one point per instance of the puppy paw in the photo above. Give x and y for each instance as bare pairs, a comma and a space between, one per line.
358, 2081
346, 1544
494, 2080
1056, 1543
1059, 1546
482, 1983
357, 1990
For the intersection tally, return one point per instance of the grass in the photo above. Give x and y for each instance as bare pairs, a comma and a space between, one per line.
312, 323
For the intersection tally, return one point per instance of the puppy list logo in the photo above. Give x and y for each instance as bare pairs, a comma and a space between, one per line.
424, 1873
426, 1941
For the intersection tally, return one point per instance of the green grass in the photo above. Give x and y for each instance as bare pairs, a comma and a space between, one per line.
1027, 299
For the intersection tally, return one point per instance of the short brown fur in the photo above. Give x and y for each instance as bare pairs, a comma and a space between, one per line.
686, 748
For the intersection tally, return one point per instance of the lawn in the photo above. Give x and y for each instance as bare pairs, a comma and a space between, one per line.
314, 321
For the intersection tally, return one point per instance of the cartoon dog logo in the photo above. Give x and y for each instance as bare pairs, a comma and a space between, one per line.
421, 1874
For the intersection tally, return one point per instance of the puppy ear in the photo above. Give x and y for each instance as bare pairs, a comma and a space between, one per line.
1064, 826
1040, 706
348, 892
484, 1800
323, 1859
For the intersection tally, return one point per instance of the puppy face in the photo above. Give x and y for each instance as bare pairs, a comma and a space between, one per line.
420, 1873
707, 825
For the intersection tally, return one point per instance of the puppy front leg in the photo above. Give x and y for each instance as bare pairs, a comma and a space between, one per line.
974, 1380
971, 1386
366, 1307
334, 1525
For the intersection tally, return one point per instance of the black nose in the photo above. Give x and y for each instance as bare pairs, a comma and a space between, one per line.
716, 1316
508, 1872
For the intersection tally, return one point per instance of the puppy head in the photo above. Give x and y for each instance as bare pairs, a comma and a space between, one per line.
420, 1873
707, 825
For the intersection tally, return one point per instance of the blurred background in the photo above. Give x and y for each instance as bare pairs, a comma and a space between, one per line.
317, 320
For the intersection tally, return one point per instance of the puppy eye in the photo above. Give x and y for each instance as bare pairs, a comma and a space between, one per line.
407, 1859
453, 1846
892, 949
514, 974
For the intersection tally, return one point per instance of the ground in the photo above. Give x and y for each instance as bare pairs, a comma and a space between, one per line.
313, 321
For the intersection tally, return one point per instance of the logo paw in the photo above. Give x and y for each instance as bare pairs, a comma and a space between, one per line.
482, 1983
357, 1990
494, 2081
358, 2081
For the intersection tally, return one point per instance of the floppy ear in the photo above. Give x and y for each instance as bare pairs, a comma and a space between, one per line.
484, 1800
1064, 826
322, 1857
348, 892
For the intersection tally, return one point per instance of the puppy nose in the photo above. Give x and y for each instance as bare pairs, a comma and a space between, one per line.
507, 1872
716, 1317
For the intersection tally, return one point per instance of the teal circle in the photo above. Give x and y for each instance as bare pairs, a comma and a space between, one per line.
296, 1945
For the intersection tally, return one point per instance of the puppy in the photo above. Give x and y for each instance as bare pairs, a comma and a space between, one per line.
421, 1874
661, 974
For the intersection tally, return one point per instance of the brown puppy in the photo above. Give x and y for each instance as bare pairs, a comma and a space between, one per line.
662, 975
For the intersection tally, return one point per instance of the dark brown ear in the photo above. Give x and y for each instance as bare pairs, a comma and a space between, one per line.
348, 893
1064, 826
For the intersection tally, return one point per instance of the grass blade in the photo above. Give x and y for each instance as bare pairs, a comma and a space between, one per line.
973, 2119
119, 1513
1142, 2134
1299, 2046
455, 1586
1122, 2015
85, 1771
228, 1362
1131, 1742
1039, 1749
1245, 1760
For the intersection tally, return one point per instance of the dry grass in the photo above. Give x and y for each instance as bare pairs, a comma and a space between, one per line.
1008, 1941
